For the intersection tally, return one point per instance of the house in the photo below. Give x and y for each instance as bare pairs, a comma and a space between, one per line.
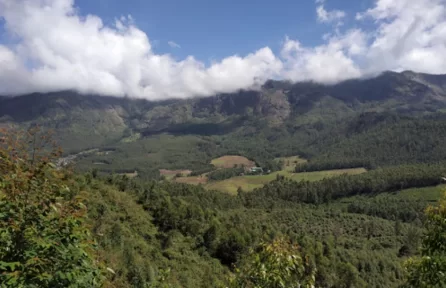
256, 170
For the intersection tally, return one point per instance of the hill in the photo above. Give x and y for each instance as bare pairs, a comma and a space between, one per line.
391, 119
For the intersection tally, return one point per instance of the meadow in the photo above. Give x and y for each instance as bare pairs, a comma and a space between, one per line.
423, 194
228, 161
250, 182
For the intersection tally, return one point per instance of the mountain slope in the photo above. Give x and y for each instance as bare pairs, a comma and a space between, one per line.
280, 119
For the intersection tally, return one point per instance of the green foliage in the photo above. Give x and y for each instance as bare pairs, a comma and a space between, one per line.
146, 251
330, 165
224, 228
430, 269
389, 208
275, 264
374, 182
44, 241
225, 173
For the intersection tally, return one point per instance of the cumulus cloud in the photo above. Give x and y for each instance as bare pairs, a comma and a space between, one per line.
173, 44
329, 63
324, 16
55, 48
411, 35
58, 49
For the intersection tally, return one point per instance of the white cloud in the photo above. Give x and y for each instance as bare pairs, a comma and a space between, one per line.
73, 52
324, 16
173, 44
411, 35
57, 49
328, 63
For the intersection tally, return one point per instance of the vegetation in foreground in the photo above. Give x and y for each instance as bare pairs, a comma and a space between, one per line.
44, 239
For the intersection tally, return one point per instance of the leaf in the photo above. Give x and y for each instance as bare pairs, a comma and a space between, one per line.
110, 270
11, 265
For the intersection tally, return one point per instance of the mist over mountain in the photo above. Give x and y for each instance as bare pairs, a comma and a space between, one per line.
83, 121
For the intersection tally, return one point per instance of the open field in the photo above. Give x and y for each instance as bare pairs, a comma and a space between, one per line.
249, 183
169, 174
427, 194
194, 180
229, 161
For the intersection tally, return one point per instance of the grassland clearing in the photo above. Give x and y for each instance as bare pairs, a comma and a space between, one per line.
169, 174
249, 183
426, 194
194, 180
229, 161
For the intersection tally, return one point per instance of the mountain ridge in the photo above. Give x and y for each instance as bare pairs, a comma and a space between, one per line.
86, 121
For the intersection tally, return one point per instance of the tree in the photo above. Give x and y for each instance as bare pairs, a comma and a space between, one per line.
44, 241
275, 264
429, 270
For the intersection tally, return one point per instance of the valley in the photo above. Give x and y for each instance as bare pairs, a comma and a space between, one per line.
250, 182
180, 192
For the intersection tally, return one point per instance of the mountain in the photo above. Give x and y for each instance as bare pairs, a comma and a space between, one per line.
281, 118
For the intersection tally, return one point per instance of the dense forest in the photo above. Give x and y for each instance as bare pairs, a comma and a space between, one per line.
374, 182
379, 140
61, 229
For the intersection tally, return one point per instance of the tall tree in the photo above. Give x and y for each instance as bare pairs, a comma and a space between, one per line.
278, 264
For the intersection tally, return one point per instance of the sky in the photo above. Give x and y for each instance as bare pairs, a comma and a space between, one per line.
180, 49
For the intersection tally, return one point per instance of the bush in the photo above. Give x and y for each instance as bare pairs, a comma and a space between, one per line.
44, 241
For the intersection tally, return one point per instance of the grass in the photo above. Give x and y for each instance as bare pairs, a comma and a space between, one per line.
228, 161
249, 183
192, 180
427, 194
171, 174
167, 172
430, 194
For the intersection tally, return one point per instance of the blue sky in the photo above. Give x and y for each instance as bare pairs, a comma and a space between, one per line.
214, 29
180, 49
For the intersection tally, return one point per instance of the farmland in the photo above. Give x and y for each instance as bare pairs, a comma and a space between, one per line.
229, 161
425, 194
249, 183
169, 174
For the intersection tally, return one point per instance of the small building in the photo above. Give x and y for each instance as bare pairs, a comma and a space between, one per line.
256, 170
